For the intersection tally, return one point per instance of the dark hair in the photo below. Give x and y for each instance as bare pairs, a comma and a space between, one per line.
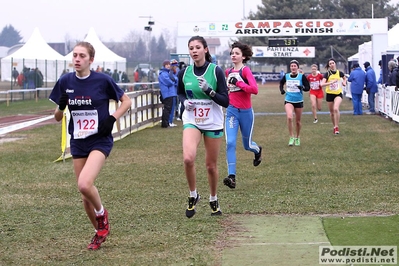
201, 39
245, 50
89, 47
182, 65
294, 62
328, 65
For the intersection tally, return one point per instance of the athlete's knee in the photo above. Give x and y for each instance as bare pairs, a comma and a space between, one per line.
230, 144
211, 168
84, 186
188, 160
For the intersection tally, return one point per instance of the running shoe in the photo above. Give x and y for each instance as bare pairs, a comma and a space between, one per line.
192, 202
230, 181
258, 157
315, 121
96, 242
215, 208
102, 224
336, 131
291, 141
297, 142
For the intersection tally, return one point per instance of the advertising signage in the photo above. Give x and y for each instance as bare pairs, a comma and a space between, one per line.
294, 27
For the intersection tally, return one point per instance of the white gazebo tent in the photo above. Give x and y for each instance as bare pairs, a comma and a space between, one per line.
354, 57
35, 53
104, 57
365, 52
365, 49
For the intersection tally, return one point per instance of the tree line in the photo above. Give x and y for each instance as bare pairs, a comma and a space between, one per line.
137, 47
339, 47
142, 47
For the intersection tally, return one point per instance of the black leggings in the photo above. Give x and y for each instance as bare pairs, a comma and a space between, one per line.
167, 108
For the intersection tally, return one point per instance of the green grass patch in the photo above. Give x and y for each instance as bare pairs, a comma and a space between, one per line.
362, 231
26, 107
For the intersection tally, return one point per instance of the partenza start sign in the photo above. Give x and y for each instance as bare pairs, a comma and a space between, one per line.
293, 51
295, 27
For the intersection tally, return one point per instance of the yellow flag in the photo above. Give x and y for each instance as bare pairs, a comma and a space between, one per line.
63, 138
63, 134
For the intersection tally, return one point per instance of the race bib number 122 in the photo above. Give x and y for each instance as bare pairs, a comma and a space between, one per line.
85, 123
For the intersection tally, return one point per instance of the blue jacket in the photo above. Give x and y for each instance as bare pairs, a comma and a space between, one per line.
357, 78
379, 81
371, 80
166, 85
174, 78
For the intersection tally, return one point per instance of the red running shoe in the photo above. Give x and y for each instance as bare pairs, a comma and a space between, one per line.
336, 131
96, 242
103, 225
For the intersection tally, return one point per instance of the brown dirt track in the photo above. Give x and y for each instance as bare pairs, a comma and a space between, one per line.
16, 119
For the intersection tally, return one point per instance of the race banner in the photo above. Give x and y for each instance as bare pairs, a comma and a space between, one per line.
283, 27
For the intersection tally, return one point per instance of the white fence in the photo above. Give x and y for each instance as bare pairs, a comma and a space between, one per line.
145, 111
387, 101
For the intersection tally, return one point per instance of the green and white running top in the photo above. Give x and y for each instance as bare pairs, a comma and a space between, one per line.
207, 115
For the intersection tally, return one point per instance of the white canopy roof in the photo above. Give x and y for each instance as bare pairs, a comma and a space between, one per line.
35, 53
354, 57
393, 36
36, 48
365, 49
104, 57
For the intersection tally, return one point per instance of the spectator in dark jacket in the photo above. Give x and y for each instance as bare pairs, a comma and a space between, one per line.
38, 77
379, 81
115, 76
173, 76
182, 66
357, 79
167, 87
15, 74
371, 87
38, 80
152, 75
124, 77
397, 81
393, 71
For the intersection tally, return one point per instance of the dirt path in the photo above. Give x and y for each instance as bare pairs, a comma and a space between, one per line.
7, 121
20, 123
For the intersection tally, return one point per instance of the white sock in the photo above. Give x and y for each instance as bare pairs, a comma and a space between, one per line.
100, 212
193, 194
213, 198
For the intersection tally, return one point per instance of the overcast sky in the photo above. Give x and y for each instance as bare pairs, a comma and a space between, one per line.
113, 19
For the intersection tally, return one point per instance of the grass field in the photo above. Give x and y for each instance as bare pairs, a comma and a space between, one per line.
42, 221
